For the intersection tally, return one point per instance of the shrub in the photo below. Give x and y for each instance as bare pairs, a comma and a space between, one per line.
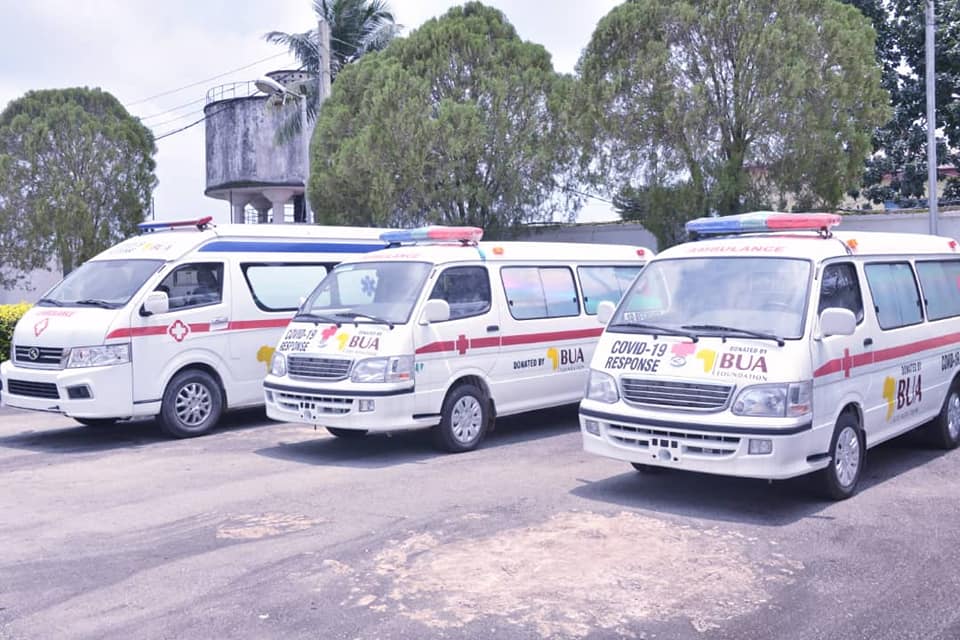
9, 314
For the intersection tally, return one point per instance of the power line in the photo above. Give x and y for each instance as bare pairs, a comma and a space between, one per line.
205, 80
180, 117
192, 124
172, 109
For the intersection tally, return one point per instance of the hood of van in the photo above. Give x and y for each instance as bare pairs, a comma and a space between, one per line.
63, 328
357, 341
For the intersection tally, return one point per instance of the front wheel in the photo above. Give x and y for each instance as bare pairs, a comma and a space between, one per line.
838, 481
463, 419
192, 404
352, 434
97, 422
945, 428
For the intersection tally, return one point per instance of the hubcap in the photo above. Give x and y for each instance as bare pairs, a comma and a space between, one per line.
193, 404
953, 415
466, 419
846, 457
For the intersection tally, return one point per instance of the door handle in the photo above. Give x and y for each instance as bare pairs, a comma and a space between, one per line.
492, 328
867, 342
218, 324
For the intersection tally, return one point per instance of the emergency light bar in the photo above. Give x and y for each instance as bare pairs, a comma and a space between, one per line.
199, 223
437, 233
762, 221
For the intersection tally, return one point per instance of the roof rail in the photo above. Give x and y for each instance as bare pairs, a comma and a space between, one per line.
200, 223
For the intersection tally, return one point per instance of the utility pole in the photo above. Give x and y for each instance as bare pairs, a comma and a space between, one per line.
323, 91
931, 117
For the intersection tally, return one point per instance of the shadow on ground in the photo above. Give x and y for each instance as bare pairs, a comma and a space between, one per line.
744, 500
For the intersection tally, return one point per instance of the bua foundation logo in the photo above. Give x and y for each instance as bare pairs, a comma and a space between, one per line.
566, 359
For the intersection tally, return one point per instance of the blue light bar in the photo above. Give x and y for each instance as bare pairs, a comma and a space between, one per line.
433, 234
199, 223
761, 221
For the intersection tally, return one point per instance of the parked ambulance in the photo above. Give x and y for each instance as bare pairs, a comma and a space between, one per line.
178, 322
447, 332
774, 347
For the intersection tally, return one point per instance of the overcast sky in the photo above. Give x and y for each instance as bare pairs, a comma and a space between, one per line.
139, 49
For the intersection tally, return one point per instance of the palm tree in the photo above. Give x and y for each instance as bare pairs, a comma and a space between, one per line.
356, 27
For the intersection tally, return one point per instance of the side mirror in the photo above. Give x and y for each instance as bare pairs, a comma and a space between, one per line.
605, 311
835, 321
435, 311
155, 302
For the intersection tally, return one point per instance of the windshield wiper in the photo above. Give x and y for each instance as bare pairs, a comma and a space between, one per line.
50, 301
94, 302
355, 315
317, 318
744, 332
656, 329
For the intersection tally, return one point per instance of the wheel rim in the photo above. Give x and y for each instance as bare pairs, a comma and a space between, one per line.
953, 415
466, 419
194, 404
847, 456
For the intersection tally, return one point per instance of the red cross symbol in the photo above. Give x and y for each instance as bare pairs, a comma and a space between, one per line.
462, 344
40, 327
178, 331
846, 362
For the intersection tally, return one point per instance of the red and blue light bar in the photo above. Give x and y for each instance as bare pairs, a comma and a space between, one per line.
762, 221
199, 223
436, 233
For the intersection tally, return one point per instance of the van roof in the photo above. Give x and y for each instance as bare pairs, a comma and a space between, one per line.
266, 238
511, 251
810, 245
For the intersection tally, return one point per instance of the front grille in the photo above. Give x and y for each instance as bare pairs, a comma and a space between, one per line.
675, 395
318, 368
40, 357
646, 438
316, 405
33, 389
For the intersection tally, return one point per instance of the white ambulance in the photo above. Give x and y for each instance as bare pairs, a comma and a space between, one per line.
774, 347
178, 322
444, 331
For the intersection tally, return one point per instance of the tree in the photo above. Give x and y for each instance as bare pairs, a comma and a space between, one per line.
357, 27
76, 174
460, 123
714, 95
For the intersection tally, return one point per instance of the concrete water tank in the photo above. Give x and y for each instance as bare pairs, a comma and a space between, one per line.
246, 165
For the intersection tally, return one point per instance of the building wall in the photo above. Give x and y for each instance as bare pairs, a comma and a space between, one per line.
37, 283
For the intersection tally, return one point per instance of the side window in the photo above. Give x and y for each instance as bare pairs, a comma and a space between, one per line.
940, 280
840, 288
604, 283
194, 285
540, 292
466, 289
895, 295
279, 287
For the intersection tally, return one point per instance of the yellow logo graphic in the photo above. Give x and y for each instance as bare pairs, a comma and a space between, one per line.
709, 357
265, 355
554, 356
342, 339
890, 394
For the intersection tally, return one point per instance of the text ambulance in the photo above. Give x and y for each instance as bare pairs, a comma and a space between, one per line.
177, 323
446, 331
779, 348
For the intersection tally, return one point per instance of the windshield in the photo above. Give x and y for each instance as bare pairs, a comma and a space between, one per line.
101, 283
719, 296
367, 292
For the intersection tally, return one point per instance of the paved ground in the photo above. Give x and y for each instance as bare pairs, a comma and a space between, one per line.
276, 531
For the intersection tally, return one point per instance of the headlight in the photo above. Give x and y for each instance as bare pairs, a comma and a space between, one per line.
278, 364
602, 387
775, 400
395, 369
99, 356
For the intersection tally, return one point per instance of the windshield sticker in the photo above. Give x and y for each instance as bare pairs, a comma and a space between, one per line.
903, 393
40, 327
566, 359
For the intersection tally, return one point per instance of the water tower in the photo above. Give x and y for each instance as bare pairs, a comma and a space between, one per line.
246, 165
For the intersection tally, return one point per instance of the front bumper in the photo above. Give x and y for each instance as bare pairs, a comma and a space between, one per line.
92, 392
387, 407
688, 444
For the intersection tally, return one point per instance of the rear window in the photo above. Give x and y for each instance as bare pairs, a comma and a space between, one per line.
279, 287
940, 281
896, 298
540, 292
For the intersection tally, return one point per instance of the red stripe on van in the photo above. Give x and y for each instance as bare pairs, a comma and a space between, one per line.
239, 325
506, 341
882, 355
136, 332
198, 327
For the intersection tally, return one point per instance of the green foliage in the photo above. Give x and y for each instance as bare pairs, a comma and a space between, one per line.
662, 210
76, 173
460, 123
687, 97
9, 315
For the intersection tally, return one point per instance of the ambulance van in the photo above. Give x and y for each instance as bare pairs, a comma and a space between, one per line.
178, 322
774, 347
447, 332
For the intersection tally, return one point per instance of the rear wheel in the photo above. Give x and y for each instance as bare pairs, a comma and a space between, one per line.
838, 481
192, 404
464, 419
945, 428
97, 422
347, 433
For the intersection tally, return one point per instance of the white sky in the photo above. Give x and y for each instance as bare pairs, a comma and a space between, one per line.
138, 48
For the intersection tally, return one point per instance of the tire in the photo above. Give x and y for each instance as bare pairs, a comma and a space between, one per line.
839, 479
97, 422
944, 430
349, 434
192, 404
647, 468
464, 419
